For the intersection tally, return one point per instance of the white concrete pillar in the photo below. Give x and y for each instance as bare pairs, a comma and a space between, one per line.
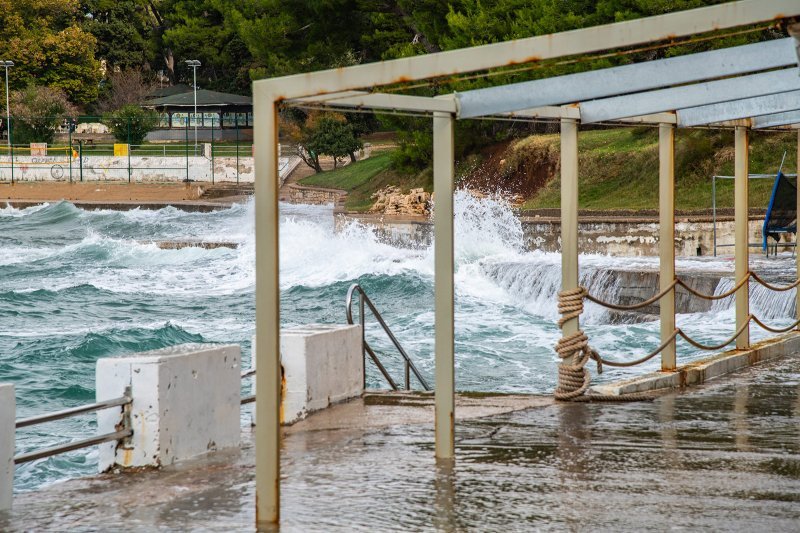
797, 233
444, 344
8, 417
742, 252
569, 215
186, 402
268, 322
322, 365
666, 238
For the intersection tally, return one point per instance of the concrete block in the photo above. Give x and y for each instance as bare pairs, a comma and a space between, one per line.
8, 416
322, 364
186, 402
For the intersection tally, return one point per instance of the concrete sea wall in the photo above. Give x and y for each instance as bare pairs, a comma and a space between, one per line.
617, 237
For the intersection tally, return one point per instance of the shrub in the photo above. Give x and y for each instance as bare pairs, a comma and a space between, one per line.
130, 123
37, 112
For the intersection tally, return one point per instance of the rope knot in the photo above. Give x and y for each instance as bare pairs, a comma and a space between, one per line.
573, 377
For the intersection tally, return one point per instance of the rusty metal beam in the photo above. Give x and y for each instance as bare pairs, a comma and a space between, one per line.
397, 102
697, 95
627, 79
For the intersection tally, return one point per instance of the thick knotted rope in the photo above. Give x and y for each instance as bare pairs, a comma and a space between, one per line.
574, 349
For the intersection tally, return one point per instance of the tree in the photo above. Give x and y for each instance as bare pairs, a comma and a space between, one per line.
125, 87
318, 134
333, 136
130, 123
123, 31
37, 112
45, 40
203, 30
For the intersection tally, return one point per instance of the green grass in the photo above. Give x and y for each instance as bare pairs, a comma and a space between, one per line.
618, 168
363, 178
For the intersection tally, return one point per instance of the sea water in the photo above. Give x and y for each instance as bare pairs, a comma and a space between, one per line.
78, 285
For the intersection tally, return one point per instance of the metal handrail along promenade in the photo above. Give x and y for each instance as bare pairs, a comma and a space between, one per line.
367, 349
124, 429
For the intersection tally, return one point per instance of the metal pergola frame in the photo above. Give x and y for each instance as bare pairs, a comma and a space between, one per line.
670, 93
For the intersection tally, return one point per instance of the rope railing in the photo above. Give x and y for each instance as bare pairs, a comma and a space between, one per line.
574, 350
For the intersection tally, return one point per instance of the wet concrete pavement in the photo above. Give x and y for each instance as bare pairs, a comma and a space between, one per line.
725, 456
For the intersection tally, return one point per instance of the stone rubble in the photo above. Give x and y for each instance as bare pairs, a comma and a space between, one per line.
392, 201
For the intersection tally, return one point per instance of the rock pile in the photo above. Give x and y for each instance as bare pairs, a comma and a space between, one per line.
391, 201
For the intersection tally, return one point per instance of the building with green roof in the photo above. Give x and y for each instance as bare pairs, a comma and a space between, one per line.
221, 115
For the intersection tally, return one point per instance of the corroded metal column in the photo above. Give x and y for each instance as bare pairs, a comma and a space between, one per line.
666, 238
742, 257
569, 216
267, 353
443, 183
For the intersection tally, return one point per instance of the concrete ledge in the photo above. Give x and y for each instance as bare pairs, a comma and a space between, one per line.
706, 369
186, 402
7, 432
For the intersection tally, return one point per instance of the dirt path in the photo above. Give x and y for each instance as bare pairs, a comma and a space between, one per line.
100, 191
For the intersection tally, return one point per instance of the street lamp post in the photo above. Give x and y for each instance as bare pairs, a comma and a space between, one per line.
194, 64
7, 65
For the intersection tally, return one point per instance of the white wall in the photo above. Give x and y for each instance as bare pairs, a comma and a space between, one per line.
186, 402
143, 168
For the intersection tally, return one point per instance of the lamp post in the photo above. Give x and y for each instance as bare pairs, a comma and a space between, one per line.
194, 64
7, 65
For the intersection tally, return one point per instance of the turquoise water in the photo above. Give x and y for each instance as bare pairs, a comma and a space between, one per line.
79, 285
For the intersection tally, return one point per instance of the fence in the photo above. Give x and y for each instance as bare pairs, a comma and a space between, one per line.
86, 150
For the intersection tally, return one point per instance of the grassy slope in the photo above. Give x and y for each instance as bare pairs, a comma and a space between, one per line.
619, 168
362, 178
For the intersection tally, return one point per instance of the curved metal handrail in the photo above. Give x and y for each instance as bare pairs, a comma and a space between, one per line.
409, 364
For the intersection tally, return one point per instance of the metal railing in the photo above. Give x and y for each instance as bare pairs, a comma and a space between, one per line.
714, 212
123, 429
250, 398
367, 349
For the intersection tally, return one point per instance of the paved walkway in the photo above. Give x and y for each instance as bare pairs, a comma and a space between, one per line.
725, 456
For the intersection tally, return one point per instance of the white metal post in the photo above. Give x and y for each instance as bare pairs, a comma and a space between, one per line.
569, 216
268, 378
194, 75
194, 63
666, 238
797, 231
742, 256
443, 184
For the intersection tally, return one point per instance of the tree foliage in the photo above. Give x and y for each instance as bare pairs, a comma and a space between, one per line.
60, 43
131, 124
49, 47
37, 112
123, 30
318, 134
204, 30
